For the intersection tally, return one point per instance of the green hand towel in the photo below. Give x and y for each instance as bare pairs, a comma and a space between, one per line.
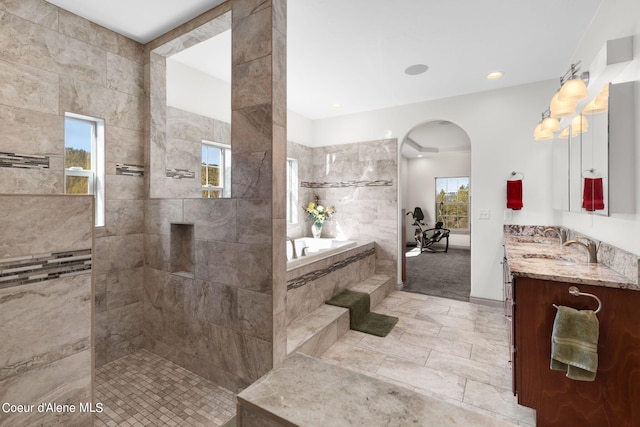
574, 343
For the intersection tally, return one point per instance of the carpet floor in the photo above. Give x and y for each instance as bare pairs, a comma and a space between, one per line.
441, 274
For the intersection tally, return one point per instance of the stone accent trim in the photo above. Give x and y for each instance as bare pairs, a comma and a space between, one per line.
316, 274
23, 161
37, 268
130, 170
345, 184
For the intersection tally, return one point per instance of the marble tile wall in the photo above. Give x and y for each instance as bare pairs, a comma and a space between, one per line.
52, 62
226, 320
359, 180
46, 323
308, 287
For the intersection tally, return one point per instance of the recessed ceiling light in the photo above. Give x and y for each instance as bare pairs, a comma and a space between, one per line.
336, 106
495, 75
419, 155
416, 69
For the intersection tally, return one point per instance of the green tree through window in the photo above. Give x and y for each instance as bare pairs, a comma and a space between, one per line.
452, 202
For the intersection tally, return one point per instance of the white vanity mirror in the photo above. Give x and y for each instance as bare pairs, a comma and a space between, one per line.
594, 143
601, 149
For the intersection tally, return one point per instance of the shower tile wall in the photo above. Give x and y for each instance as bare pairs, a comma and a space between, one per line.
52, 62
225, 318
46, 307
360, 180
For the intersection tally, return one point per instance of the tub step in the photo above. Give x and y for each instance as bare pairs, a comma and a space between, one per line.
377, 286
314, 333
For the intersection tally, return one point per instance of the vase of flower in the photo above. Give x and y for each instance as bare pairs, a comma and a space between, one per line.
316, 230
317, 215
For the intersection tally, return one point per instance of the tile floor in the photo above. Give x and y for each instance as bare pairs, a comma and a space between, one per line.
447, 349
451, 350
143, 389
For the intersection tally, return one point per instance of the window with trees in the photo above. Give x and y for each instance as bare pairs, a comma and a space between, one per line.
84, 167
216, 170
452, 202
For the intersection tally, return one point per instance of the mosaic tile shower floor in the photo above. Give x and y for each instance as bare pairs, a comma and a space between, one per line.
143, 389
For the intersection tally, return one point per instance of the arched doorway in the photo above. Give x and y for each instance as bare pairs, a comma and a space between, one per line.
436, 177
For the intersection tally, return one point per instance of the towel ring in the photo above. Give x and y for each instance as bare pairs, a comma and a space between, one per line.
573, 290
514, 173
592, 171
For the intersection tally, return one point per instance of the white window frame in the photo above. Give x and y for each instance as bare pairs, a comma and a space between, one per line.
468, 204
225, 167
96, 175
292, 191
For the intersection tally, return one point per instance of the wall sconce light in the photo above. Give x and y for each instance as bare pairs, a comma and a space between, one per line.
573, 86
541, 134
544, 129
561, 109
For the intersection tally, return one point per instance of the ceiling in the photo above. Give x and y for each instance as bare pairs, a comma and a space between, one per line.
354, 52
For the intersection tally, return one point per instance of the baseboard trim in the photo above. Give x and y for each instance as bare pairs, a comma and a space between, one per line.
487, 302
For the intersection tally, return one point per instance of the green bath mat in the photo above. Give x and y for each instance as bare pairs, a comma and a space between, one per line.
360, 318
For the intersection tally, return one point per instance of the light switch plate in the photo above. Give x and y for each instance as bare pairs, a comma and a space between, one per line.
508, 215
484, 214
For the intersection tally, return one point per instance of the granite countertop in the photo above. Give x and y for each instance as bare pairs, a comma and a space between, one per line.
544, 258
308, 392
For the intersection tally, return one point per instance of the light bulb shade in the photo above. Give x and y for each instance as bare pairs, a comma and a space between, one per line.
573, 89
565, 133
550, 124
561, 109
595, 107
540, 134
579, 124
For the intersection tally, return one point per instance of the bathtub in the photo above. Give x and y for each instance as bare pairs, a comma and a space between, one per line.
314, 249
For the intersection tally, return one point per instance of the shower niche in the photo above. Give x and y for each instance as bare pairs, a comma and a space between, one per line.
181, 255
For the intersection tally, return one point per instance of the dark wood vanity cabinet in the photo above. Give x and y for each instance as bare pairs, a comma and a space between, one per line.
613, 399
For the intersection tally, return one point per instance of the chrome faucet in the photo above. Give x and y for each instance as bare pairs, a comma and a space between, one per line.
590, 246
293, 246
305, 250
561, 232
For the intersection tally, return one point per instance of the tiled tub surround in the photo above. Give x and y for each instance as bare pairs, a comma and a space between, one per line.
309, 286
616, 268
308, 250
46, 319
360, 180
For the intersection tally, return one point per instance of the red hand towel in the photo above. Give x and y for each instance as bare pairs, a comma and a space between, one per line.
592, 196
514, 194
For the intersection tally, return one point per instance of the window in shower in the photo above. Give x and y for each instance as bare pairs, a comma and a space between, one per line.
292, 191
216, 170
84, 167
